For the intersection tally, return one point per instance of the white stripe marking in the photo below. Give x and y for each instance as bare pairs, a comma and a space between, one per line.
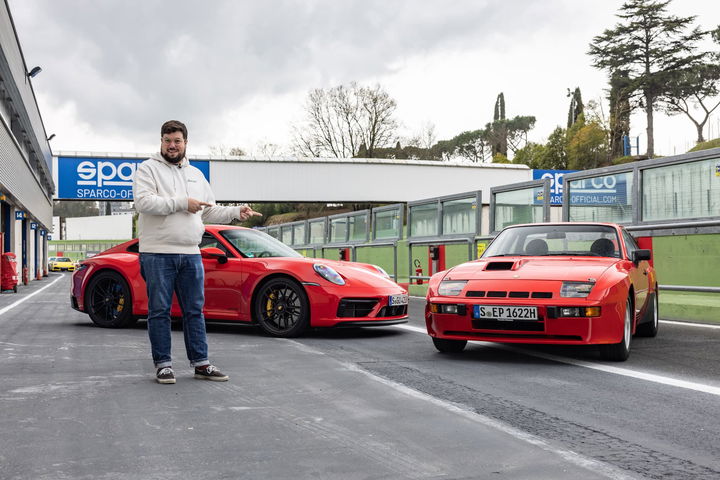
568, 455
13, 305
650, 377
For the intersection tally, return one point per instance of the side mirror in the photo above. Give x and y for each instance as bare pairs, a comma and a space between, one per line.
214, 252
639, 255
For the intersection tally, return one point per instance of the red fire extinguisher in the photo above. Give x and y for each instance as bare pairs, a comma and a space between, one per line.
418, 272
25, 278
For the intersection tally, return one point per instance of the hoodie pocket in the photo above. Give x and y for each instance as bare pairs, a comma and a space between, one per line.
183, 228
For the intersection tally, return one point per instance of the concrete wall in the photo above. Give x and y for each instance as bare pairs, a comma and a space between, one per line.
108, 227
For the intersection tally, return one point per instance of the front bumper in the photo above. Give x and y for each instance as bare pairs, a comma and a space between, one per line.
547, 329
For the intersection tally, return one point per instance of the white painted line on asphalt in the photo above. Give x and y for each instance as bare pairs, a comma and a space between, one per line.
650, 377
13, 305
568, 455
688, 324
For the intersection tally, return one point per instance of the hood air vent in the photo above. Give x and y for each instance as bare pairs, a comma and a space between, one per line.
499, 266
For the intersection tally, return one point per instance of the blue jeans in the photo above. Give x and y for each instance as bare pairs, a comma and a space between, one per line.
165, 273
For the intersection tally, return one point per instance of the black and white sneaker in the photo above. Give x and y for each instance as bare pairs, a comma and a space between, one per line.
165, 375
210, 372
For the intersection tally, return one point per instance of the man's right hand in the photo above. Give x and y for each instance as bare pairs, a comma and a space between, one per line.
195, 206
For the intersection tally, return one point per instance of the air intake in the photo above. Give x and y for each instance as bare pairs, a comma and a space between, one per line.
499, 266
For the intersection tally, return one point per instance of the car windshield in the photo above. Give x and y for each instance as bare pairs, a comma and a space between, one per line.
561, 239
62, 259
253, 243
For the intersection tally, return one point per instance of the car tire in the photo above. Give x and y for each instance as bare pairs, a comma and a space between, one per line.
108, 301
445, 345
619, 352
649, 328
281, 308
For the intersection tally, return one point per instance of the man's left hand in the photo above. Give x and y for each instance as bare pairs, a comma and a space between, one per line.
247, 212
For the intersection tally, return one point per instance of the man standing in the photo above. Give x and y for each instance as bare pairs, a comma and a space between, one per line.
173, 199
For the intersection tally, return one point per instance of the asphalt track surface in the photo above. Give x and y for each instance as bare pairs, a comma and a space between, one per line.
80, 402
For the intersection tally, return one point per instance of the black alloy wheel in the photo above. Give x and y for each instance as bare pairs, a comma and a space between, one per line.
108, 301
281, 308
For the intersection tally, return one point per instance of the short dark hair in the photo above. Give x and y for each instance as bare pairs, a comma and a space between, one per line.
172, 126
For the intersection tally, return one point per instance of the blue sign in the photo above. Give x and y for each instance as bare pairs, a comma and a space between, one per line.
605, 190
19, 215
85, 178
49, 237
556, 183
42, 233
33, 226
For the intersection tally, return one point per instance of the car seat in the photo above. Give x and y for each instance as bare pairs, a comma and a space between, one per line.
603, 247
536, 247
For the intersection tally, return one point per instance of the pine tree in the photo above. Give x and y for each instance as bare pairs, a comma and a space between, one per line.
649, 44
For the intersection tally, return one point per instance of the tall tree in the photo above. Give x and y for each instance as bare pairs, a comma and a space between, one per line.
620, 110
576, 106
498, 130
342, 119
696, 88
649, 44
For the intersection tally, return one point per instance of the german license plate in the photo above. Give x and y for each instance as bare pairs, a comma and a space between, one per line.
397, 300
505, 312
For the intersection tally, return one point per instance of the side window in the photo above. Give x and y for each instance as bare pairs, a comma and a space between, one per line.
630, 243
209, 240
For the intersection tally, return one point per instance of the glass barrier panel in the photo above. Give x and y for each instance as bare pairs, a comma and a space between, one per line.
286, 235
688, 190
338, 230
424, 220
358, 226
518, 206
299, 234
607, 198
317, 233
274, 232
459, 216
387, 224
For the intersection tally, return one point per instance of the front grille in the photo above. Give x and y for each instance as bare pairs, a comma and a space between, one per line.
499, 294
541, 294
394, 311
525, 336
356, 307
524, 325
519, 294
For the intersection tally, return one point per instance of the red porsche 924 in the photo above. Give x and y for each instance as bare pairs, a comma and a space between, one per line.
250, 277
554, 283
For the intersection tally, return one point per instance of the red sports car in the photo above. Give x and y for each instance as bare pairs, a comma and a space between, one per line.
560, 283
250, 277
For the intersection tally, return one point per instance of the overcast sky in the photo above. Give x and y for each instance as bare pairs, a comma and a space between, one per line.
238, 72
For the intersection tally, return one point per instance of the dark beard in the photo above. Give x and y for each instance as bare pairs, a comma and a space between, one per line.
176, 160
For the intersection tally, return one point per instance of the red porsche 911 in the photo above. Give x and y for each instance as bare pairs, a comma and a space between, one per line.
250, 277
552, 283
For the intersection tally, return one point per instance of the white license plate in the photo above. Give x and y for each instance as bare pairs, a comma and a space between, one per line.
505, 312
397, 300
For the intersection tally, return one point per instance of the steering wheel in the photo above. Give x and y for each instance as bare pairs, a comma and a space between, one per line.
264, 253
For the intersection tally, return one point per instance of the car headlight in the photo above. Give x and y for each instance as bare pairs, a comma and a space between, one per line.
576, 289
381, 271
328, 273
451, 288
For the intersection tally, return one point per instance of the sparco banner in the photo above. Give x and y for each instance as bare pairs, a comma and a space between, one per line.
86, 178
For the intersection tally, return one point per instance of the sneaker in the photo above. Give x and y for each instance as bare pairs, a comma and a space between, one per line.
210, 372
165, 375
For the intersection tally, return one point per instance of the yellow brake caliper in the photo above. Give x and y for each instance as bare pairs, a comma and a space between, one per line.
269, 304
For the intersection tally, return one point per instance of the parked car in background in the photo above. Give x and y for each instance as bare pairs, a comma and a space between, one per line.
250, 277
552, 283
59, 264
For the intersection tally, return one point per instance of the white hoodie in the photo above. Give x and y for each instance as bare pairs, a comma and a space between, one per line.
161, 190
